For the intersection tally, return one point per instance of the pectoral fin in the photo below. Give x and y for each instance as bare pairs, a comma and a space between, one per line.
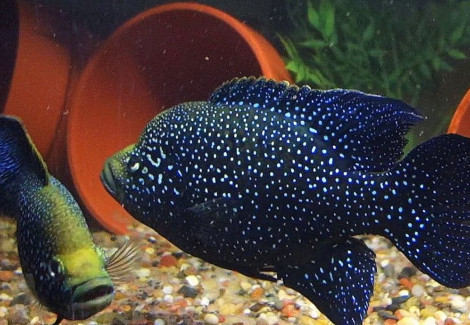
209, 216
339, 280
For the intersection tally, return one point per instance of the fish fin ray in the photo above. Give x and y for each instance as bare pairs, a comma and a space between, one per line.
339, 280
122, 262
368, 129
431, 226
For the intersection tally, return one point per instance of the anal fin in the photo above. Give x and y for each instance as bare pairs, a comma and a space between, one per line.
338, 279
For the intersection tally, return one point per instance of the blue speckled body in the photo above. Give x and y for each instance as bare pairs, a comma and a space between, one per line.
266, 177
270, 185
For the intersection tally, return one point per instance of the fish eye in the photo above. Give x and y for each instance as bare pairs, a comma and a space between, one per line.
133, 164
55, 268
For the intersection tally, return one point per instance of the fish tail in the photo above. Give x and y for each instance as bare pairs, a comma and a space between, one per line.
429, 209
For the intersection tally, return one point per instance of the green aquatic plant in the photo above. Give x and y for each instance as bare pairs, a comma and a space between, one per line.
391, 48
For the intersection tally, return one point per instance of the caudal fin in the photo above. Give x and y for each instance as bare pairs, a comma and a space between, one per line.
430, 209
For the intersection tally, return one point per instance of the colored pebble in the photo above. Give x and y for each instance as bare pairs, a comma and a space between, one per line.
150, 250
390, 322
430, 321
406, 283
187, 291
168, 290
246, 286
6, 276
267, 319
257, 293
414, 310
289, 310
408, 321
5, 297
211, 319
449, 321
407, 272
417, 290
305, 320
192, 280
458, 303
442, 299
386, 314
400, 299
143, 273
168, 299
428, 311
401, 313
168, 261
440, 315
18, 315
230, 309
205, 301
412, 302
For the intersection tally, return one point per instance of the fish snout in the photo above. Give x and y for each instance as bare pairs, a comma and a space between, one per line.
108, 178
90, 297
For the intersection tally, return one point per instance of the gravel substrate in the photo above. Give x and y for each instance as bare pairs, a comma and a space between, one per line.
170, 287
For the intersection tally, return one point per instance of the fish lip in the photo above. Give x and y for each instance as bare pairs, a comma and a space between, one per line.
108, 179
90, 297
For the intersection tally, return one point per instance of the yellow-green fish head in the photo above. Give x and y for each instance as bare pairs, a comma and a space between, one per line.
68, 273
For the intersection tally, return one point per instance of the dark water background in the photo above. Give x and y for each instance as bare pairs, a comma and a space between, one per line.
437, 98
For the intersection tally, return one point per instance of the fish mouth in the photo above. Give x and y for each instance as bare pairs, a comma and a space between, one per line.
108, 179
90, 297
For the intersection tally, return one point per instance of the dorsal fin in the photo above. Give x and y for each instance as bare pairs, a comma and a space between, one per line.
18, 153
369, 129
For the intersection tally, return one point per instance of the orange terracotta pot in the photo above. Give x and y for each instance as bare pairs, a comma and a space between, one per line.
40, 75
460, 122
8, 46
164, 56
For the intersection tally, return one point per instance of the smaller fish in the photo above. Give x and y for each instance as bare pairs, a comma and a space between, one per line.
63, 268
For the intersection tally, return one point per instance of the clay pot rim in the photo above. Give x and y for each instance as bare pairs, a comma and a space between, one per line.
249, 35
461, 113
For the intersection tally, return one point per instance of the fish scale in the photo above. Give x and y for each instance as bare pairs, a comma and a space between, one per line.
268, 177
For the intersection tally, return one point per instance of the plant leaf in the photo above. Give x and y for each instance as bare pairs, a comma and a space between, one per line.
456, 54
289, 47
327, 15
424, 69
313, 17
457, 34
314, 44
368, 32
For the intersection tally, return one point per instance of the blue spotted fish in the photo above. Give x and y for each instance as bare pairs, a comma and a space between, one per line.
66, 272
273, 181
